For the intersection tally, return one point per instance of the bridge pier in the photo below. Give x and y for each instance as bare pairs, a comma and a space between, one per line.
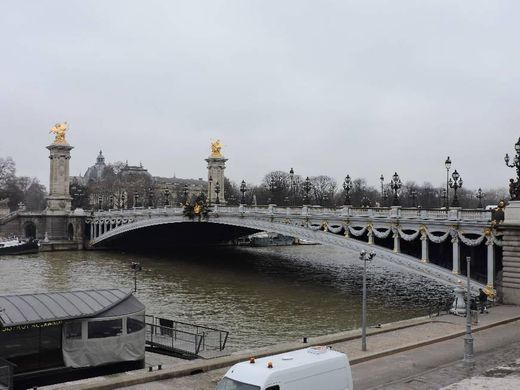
397, 242
456, 255
424, 247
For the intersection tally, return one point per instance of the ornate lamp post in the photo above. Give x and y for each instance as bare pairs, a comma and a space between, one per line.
384, 199
514, 185
291, 183
364, 256
413, 196
243, 190
136, 267
479, 195
347, 186
443, 197
395, 185
456, 183
382, 179
166, 197
210, 180
217, 191
150, 197
447, 164
185, 193
307, 187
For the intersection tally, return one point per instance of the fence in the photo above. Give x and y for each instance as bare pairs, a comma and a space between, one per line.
6, 375
181, 338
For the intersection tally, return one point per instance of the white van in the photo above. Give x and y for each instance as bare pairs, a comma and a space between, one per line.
305, 369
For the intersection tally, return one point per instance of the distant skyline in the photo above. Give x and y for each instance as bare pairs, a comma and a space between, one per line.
326, 87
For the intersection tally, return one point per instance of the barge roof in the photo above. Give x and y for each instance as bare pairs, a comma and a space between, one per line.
27, 309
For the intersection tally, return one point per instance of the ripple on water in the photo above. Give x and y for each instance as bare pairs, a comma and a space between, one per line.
261, 295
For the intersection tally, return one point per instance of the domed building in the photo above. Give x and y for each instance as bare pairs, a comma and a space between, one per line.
95, 172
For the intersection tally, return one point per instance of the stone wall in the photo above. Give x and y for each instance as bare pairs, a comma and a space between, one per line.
510, 284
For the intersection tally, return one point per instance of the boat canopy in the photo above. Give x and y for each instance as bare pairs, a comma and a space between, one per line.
26, 309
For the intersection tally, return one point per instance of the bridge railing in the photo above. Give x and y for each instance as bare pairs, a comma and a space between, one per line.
454, 214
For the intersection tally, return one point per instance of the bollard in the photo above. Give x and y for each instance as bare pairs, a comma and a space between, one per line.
305, 340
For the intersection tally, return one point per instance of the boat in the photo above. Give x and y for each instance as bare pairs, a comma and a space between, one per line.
16, 246
301, 241
270, 239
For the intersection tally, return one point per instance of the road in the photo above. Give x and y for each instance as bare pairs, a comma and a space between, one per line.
440, 364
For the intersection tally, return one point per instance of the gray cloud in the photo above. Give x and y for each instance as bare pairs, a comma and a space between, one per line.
326, 87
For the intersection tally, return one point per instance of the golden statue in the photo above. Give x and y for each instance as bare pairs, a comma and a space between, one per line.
59, 130
216, 146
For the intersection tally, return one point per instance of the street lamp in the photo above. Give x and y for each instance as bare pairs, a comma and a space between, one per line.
479, 195
210, 180
166, 197
271, 184
307, 187
413, 196
291, 181
185, 193
447, 164
469, 359
395, 185
514, 185
365, 256
243, 190
384, 198
443, 196
347, 186
217, 191
382, 179
150, 197
136, 267
456, 183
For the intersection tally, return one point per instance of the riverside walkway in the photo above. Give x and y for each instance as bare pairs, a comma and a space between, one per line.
396, 354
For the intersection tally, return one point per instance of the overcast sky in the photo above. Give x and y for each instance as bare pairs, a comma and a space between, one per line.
326, 87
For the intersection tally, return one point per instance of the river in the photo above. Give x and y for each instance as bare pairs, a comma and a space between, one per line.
260, 295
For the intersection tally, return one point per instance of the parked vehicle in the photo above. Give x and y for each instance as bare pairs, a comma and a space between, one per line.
305, 369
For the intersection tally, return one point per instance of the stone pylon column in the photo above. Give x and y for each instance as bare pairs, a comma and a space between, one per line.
216, 166
511, 254
59, 198
456, 255
424, 246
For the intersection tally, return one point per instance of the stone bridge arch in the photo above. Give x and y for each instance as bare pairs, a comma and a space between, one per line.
317, 235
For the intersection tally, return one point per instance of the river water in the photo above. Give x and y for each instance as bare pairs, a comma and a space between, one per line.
260, 295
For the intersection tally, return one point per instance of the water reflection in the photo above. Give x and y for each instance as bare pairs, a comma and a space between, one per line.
261, 295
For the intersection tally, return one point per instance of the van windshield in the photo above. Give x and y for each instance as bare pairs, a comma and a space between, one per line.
230, 384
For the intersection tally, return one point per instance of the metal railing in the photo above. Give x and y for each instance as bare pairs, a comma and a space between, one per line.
6, 375
182, 337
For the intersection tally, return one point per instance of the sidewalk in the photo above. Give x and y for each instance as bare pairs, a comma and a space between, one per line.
389, 339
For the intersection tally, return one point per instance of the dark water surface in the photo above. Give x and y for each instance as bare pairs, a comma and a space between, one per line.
260, 295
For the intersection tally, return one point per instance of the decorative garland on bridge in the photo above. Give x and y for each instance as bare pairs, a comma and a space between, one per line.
408, 237
380, 234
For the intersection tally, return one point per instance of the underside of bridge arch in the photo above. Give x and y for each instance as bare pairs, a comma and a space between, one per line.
166, 236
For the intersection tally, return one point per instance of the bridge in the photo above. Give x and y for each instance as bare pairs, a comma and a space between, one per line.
413, 238
345, 227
